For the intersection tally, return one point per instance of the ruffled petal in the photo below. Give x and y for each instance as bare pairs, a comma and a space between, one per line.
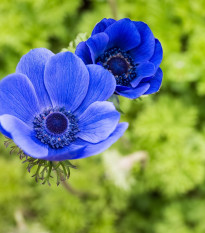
32, 65
155, 82
23, 136
123, 34
83, 52
67, 80
101, 87
98, 121
134, 93
97, 44
18, 98
94, 149
143, 70
102, 25
145, 50
156, 59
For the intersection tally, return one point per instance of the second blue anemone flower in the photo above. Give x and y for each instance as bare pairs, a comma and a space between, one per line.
54, 107
129, 50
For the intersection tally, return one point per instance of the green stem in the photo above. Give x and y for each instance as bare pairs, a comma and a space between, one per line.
113, 6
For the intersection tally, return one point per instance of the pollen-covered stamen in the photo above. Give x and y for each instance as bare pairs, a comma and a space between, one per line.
56, 127
120, 64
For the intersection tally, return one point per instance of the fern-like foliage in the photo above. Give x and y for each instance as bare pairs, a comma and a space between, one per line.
43, 170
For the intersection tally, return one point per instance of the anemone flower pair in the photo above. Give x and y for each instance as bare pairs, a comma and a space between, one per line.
129, 50
54, 107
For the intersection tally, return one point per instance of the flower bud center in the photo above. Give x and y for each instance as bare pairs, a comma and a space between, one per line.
120, 64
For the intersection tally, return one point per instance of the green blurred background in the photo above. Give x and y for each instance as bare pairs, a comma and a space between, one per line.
153, 179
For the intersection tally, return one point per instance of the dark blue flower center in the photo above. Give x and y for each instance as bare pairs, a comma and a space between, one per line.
120, 64
56, 127
56, 123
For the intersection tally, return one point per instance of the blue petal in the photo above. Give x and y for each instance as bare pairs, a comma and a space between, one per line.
122, 88
32, 65
68, 152
156, 59
102, 25
23, 136
4, 132
18, 98
134, 93
97, 44
80, 149
83, 52
123, 34
101, 86
94, 149
145, 50
155, 82
67, 80
98, 121
143, 70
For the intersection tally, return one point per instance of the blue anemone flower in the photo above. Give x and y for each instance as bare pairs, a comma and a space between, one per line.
129, 50
54, 107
